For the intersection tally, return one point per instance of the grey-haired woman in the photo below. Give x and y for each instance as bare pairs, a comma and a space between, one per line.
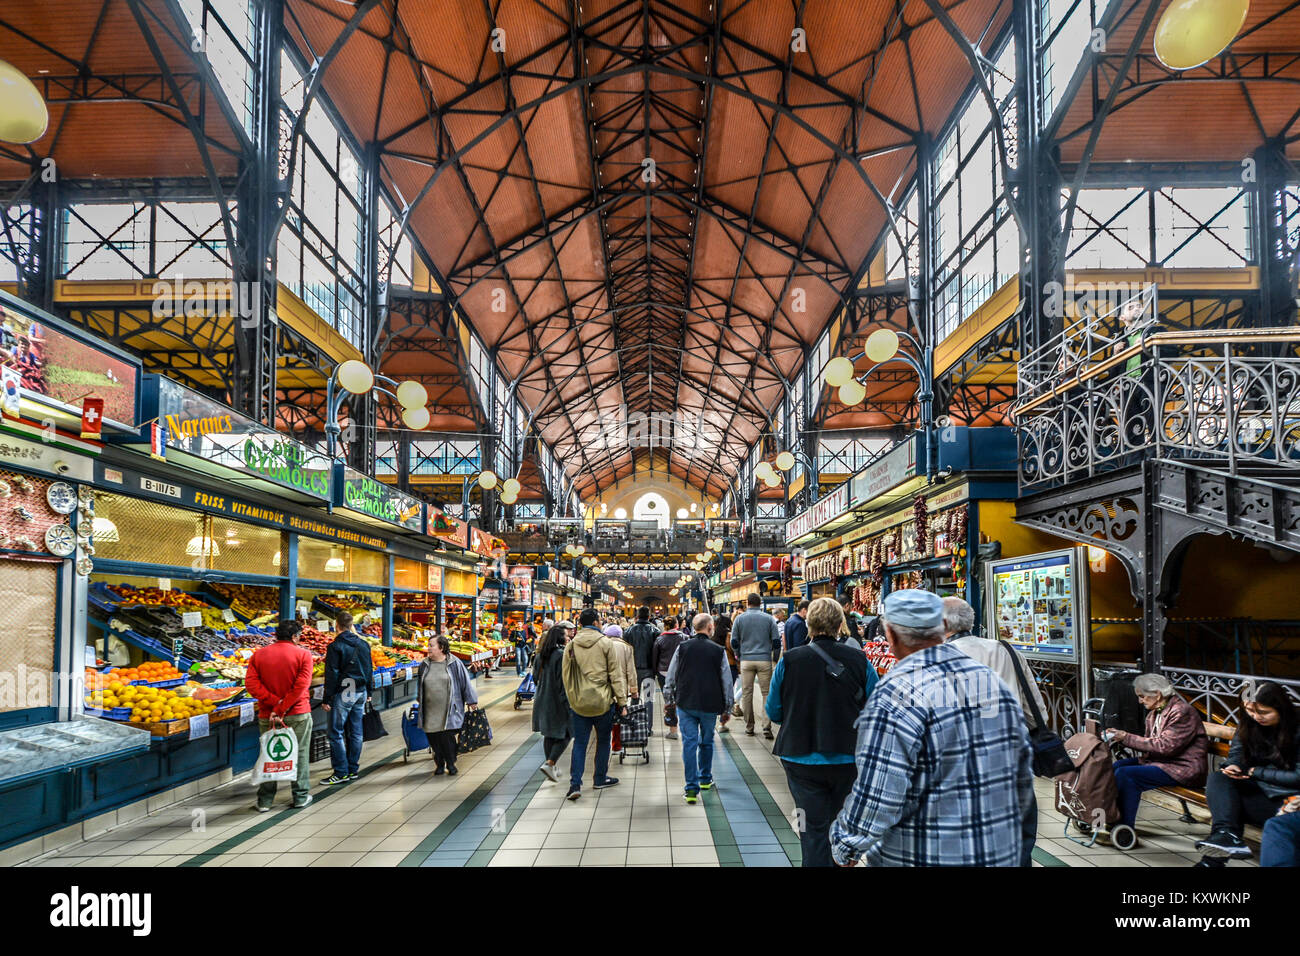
445, 692
1173, 752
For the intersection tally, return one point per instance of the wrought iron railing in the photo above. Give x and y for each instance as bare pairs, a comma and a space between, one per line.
1091, 336
1217, 695
1213, 397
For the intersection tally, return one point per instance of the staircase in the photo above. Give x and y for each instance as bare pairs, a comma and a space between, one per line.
1261, 503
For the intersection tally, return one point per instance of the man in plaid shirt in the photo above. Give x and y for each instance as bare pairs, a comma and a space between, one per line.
944, 764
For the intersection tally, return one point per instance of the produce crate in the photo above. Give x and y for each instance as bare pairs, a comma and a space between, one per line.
114, 713
162, 684
165, 728
226, 712
319, 748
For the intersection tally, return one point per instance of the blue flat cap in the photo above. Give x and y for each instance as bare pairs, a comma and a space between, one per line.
913, 607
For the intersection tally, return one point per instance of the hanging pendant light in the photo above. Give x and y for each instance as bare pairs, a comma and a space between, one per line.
882, 345
851, 393
416, 419
24, 117
1190, 32
838, 371
356, 377
202, 545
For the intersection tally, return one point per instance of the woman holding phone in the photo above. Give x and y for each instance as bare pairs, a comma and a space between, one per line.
1263, 769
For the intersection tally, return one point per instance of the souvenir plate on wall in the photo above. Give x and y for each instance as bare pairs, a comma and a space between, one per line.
62, 497
59, 540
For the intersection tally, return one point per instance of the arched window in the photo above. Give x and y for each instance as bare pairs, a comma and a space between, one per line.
651, 506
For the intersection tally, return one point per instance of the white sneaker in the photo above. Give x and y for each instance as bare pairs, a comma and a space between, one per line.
551, 775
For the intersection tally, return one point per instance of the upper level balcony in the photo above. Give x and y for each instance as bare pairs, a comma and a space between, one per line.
614, 537
1113, 390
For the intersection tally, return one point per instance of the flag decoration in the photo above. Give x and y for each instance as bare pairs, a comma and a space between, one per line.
10, 396
158, 441
92, 417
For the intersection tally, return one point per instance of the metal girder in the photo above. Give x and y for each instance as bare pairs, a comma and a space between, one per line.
1146, 74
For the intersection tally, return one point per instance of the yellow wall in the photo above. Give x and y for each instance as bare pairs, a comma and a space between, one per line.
1109, 592
1226, 578
625, 494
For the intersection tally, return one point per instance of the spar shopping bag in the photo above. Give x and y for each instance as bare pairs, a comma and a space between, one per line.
277, 757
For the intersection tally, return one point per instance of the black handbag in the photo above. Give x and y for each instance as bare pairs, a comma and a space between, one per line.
475, 732
372, 724
836, 670
1050, 756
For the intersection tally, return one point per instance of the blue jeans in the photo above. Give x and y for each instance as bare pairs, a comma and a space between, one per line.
1131, 779
346, 711
582, 727
521, 659
1280, 845
697, 747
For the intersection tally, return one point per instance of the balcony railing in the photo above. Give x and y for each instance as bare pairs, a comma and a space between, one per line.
613, 537
1217, 695
1226, 397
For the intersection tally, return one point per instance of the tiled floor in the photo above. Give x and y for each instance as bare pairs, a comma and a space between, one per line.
500, 811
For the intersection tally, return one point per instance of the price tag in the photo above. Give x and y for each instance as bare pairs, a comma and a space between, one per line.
303, 609
192, 619
245, 652
164, 584
410, 672
386, 679
325, 625
91, 657
178, 645
227, 614
198, 726
246, 712
318, 692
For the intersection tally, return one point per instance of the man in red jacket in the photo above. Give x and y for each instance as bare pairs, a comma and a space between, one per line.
279, 677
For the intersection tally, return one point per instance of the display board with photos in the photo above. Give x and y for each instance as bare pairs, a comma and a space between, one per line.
1039, 603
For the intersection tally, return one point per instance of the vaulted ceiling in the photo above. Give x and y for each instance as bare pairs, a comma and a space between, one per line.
645, 208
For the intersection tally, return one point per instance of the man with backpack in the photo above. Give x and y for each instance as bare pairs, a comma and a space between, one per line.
818, 690
665, 647
348, 684
699, 685
940, 735
642, 636
594, 684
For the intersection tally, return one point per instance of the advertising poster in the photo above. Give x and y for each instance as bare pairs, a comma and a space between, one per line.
58, 366
1035, 605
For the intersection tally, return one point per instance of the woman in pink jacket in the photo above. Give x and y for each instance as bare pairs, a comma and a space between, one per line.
1174, 751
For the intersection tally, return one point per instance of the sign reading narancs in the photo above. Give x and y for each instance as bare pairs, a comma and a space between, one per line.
365, 495
200, 426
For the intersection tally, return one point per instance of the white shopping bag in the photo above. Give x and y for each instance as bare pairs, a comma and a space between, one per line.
277, 757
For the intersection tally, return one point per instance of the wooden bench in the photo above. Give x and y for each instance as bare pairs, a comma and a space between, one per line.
1220, 740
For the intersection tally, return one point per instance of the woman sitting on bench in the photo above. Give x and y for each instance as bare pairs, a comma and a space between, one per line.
1173, 753
1263, 769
